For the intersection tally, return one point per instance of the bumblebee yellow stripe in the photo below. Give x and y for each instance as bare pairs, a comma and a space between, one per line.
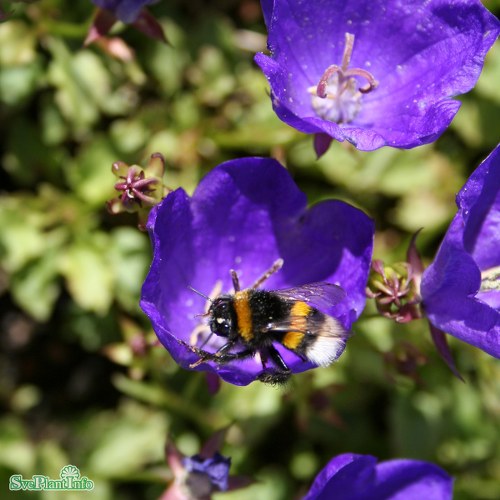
292, 340
298, 313
243, 315
298, 316
300, 309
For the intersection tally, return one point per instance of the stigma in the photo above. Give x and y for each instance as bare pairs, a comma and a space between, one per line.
337, 96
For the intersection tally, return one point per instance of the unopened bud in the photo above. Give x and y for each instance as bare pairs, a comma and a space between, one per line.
395, 291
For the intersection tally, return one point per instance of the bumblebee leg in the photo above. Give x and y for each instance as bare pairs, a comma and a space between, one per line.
204, 343
264, 357
274, 378
222, 359
204, 355
221, 356
232, 356
274, 268
279, 376
222, 351
276, 357
208, 356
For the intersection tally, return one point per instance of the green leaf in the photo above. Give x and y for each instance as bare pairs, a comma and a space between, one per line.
38, 161
88, 274
17, 44
391, 171
128, 135
487, 85
36, 287
167, 62
51, 458
130, 258
423, 209
75, 92
477, 122
18, 82
90, 174
54, 129
20, 240
16, 452
129, 443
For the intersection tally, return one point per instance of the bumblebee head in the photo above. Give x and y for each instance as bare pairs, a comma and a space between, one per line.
222, 316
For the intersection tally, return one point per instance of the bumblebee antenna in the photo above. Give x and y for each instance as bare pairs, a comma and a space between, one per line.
278, 264
202, 315
200, 294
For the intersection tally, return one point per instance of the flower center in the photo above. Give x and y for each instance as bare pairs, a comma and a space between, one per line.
337, 97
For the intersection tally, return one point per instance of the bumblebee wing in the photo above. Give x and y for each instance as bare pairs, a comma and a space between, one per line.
320, 295
319, 338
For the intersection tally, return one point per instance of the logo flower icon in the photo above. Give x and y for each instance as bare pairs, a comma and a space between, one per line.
70, 471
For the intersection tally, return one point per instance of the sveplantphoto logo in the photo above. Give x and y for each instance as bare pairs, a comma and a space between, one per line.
69, 479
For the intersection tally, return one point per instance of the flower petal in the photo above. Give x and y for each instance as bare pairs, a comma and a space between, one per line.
412, 480
344, 477
479, 205
267, 10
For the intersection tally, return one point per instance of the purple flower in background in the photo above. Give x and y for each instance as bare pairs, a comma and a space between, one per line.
126, 11
199, 476
213, 470
245, 215
132, 12
461, 289
373, 72
359, 477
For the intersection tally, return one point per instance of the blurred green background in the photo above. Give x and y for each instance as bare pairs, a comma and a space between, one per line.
81, 381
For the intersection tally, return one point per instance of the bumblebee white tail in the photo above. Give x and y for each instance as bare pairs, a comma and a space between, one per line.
329, 343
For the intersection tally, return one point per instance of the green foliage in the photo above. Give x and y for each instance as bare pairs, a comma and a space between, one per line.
83, 381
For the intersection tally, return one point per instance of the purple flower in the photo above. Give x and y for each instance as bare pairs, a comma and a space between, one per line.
373, 72
126, 11
245, 215
199, 476
359, 477
267, 10
213, 470
461, 288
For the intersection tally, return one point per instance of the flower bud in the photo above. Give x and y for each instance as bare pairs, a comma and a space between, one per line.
140, 188
395, 291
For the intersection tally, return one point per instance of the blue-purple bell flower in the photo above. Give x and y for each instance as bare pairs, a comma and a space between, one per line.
127, 11
461, 289
373, 72
245, 215
133, 12
199, 476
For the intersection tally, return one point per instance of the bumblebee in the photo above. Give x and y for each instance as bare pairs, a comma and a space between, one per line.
255, 319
